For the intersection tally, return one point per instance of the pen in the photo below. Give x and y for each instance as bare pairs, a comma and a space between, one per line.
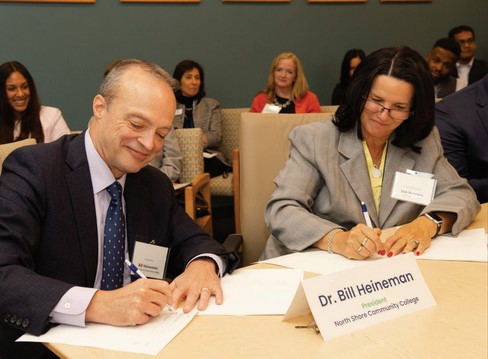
134, 269
138, 273
366, 215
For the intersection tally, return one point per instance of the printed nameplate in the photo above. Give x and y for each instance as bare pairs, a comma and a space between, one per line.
350, 300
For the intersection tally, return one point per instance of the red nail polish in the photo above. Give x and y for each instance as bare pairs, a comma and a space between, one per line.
390, 254
404, 252
417, 253
383, 252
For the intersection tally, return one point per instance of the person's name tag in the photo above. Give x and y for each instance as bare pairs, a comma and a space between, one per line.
270, 108
178, 111
413, 188
150, 259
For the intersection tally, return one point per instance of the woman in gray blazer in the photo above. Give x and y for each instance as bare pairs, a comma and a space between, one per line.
384, 128
194, 109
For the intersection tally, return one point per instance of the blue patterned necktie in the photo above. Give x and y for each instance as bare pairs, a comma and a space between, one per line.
114, 241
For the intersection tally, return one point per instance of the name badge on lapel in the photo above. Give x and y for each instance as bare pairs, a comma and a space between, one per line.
414, 186
151, 259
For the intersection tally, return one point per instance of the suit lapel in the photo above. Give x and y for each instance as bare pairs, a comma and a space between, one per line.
355, 170
197, 116
81, 193
395, 159
356, 173
482, 102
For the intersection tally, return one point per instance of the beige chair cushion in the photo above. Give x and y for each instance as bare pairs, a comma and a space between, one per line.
231, 117
264, 148
191, 148
6, 148
221, 186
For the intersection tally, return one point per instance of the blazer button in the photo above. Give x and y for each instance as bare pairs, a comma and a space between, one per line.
19, 322
6, 318
13, 319
25, 323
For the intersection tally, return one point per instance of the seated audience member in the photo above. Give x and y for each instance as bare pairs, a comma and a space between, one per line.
287, 89
168, 160
469, 69
21, 114
351, 60
385, 125
462, 120
194, 109
58, 200
442, 64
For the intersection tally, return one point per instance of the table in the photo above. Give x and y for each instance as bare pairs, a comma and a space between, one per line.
456, 328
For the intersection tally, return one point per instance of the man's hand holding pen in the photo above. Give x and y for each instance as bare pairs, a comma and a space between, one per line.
133, 304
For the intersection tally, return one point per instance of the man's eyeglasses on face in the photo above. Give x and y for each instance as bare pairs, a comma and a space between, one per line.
466, 42
374, 106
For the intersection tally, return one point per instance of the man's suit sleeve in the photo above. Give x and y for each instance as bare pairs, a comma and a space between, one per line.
27, 297
452, 138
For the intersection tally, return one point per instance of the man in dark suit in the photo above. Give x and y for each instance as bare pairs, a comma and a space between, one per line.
53, 201
462, 120
442, 65
469, 69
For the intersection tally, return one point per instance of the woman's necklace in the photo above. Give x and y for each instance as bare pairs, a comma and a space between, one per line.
376, 173
282, 105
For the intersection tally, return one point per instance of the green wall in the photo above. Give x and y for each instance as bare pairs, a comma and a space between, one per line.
67, 47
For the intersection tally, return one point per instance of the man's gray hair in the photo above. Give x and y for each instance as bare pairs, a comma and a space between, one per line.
117, 68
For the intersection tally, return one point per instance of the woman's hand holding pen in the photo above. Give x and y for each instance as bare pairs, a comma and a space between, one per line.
132, 304
360, 242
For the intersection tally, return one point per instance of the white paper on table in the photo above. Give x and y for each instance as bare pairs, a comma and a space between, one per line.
469, 245
316, 261
256, 292
149, 338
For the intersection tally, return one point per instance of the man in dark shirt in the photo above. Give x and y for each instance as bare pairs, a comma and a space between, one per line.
442, 65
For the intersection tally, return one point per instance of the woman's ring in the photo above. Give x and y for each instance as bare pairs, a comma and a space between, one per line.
204, 289
359, 249
415, 241
364, 241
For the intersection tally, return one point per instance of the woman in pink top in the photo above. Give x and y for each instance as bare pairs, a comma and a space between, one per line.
287, 89
21, 114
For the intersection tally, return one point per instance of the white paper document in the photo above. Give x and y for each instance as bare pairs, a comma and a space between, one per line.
209, 154
316, 261
256, 292
469, 245
177, 186
149, 338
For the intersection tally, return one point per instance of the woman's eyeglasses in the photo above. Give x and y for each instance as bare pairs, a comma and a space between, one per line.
373, 106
